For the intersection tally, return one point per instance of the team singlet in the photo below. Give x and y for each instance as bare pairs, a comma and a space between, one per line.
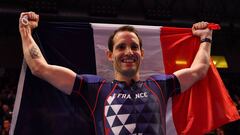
119, 109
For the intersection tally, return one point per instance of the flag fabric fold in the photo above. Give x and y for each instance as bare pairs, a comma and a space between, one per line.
42, 109
207, 105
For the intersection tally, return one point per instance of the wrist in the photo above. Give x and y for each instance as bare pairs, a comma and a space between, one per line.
25, 31
206, 39
206, 36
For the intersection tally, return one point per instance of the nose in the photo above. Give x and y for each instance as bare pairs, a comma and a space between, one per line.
129, 51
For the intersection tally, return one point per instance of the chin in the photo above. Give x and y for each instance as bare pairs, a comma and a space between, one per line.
129, 72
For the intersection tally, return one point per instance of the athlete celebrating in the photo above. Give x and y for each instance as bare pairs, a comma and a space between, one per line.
126, 105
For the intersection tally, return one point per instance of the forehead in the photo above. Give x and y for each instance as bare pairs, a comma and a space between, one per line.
6, 121
125, 36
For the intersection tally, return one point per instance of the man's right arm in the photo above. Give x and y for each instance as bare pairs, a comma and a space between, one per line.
60, 77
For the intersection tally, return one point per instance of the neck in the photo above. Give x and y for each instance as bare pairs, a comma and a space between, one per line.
127, 79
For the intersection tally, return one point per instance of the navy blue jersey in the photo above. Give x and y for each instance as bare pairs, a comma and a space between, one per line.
119, 109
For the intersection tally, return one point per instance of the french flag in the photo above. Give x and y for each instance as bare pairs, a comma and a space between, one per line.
42, 109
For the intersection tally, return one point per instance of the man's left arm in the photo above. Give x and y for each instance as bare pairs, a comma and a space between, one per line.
199, 68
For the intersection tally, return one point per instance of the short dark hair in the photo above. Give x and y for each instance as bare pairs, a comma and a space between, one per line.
123, 28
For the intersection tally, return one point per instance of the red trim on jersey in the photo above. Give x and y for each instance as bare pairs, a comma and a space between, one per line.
161, 113
159, 88
106, 130
99, 89
92, 112
95, 126
86, 102
79, 93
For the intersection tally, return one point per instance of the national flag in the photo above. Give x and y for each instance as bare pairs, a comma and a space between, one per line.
42, 109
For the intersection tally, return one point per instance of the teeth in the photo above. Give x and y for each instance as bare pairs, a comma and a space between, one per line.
128, 61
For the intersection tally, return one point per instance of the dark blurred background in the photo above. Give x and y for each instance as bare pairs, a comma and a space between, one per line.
181, 13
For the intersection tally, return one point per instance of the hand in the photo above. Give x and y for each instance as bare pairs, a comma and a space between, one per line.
201, 30
32, 21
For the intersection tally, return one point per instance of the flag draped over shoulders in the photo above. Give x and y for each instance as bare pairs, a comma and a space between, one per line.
42, 109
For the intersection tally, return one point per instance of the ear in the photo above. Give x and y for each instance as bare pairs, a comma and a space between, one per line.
142, 53
109, 55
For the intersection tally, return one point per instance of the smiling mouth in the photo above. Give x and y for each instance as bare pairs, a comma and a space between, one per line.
129, 59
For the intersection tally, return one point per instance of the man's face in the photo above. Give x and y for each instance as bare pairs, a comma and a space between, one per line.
127, 54
6, 124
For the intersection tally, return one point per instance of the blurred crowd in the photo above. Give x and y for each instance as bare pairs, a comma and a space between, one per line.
8, 89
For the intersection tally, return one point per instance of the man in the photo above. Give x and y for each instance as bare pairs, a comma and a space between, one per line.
6, 126
126, 105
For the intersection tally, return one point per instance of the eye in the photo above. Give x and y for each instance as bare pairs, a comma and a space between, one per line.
135, 46
120, 46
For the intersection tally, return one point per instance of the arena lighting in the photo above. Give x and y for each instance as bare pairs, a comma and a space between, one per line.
181, 62
220, 61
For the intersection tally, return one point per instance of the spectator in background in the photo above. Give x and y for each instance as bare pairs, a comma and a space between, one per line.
8, 88
7, 113
6, 127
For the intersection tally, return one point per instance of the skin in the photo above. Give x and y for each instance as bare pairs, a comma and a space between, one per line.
6, 125
126, 58
60, 77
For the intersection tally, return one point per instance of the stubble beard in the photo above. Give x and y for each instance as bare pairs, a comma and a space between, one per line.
127, 73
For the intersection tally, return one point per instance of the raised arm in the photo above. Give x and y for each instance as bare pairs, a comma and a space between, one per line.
60, 77
187, 77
